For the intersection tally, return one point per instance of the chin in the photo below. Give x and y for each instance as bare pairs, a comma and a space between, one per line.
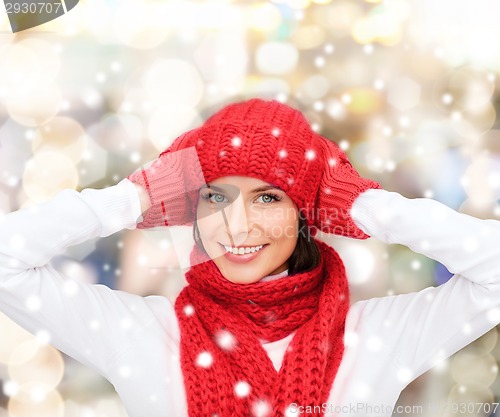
238, 279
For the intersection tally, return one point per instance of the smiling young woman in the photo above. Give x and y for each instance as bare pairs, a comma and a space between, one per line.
264, 327
256, 233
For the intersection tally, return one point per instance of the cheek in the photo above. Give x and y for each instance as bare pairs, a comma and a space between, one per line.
209, 222
282, 229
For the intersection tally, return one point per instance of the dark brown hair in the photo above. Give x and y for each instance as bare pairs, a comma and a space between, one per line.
306, 255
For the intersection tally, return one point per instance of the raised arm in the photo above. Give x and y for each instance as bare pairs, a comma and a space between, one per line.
84, 321
419, 329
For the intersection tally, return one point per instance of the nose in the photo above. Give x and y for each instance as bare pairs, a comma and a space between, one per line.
236, 221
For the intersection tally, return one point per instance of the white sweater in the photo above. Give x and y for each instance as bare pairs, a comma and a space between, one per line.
133, 341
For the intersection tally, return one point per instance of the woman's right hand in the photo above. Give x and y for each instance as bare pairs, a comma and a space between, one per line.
168, 188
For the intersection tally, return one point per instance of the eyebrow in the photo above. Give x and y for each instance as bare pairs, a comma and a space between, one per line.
255, 190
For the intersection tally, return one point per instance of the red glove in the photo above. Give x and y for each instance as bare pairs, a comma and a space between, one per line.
340, 185
172, 182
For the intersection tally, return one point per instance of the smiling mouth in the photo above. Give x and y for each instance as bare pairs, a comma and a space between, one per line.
243, 250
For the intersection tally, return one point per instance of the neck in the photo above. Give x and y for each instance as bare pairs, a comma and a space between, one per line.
275, 276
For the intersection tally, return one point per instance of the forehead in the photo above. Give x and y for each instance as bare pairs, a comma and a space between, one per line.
241, 182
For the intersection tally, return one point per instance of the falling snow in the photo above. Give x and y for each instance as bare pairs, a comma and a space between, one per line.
125, 371
261, 408
225, 340
188, 310
43, 337
242, 389
33, 302
204, 359
292, 411
95, 324
404, 375
310, 155
368, 49
10, 388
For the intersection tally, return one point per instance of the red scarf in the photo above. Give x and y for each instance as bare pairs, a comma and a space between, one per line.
226, 370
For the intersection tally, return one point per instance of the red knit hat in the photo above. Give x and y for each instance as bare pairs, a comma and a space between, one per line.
263, 139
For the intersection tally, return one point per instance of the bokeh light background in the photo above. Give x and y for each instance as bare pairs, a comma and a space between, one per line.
409, 88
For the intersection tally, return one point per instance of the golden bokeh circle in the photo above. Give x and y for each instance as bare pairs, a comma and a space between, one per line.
36, 106
36, 363
61, 134
33, 400
48, 173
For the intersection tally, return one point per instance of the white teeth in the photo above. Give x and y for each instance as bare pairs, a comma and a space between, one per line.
241, 251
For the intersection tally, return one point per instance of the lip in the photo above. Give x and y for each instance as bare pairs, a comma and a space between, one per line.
242, 259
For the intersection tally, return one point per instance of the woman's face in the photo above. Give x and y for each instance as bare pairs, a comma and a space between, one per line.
241, 214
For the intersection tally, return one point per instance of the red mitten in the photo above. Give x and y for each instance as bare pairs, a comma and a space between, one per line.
172, 182
339, 187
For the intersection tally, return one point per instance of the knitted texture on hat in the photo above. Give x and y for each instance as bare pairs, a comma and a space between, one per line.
267, 140
227, 371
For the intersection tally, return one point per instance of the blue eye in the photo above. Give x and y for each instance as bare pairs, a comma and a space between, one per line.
269, 198
217, 198
214, 197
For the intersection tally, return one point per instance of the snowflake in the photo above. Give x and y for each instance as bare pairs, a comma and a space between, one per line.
204, 359
242, 389
95, 324
188, 310
493, 315
124, 371
447, 98
43, 337
261, 408
33, 302
319, 105
292, 410
70, 287
470, 244
379, 84
344, 144
225, 340
38, 394
319, 61
10, 388
236, 141
351, 338
332, 162
282, 153
135, 157
346, 98
329, 48
404, 375
276, 132
416, 265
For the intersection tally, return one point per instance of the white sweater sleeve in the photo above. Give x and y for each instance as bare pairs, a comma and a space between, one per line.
91, 323
420, 329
